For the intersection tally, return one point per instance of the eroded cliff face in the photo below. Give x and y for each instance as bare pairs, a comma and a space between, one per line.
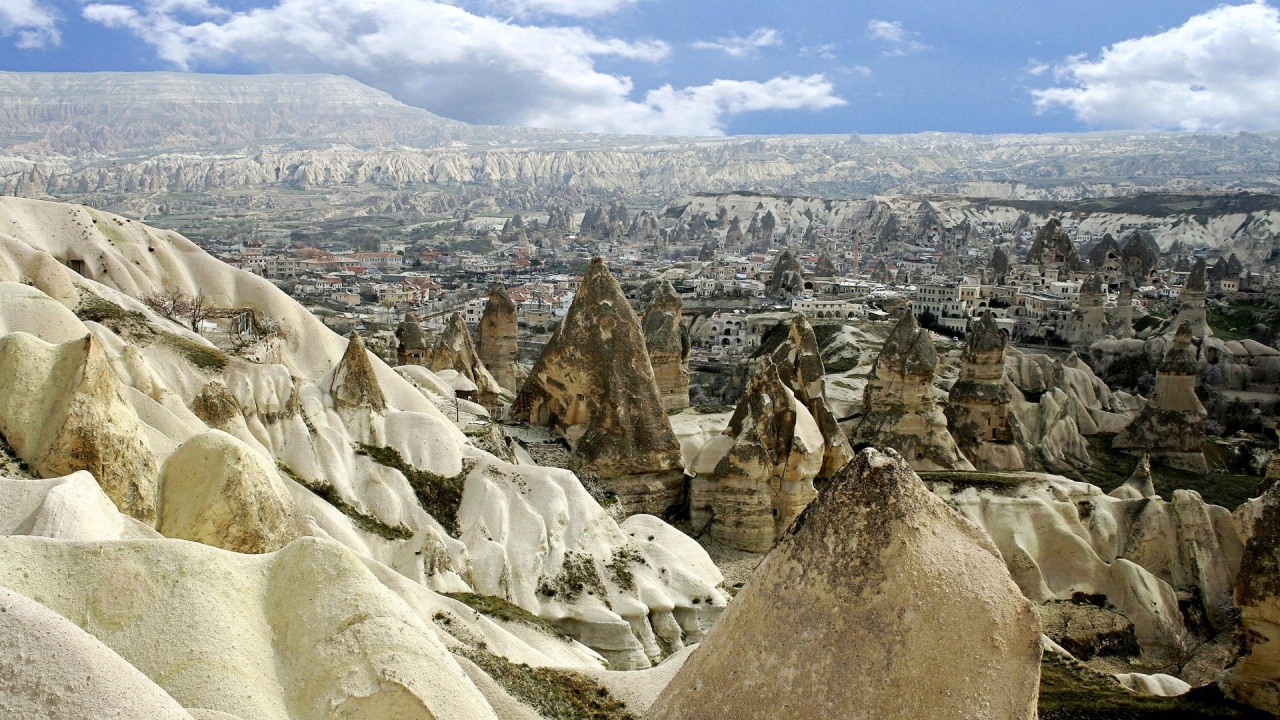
1255, 678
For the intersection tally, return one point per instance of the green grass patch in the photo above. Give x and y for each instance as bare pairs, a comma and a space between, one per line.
499, 609
712, 409
1111, 468
439, 495
129, 324
1069, 691
364, 521
554, 694
202, 356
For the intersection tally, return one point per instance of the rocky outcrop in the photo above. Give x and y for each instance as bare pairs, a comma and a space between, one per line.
1089, 320
1171, 426
63, 409
593, 383
787, 278
455, 351
496, 338
354, 384
885, 581
1053, 248
1255, 678
1139, 485
411, 342
899, 409
1122, 324
1191, 307
1140, 258
668, 344
824, 267
216, 490
979, 407
752, 481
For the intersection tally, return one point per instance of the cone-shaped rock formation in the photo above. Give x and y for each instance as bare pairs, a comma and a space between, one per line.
668, 345
896, 607
1171, 426
496, 337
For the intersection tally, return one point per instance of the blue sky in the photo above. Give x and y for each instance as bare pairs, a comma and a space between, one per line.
680, 67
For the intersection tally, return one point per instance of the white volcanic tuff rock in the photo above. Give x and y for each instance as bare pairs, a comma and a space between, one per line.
218, 491
1059, 537
29, 310
305, 632
295, 421
136, 259
52, 670
63, 409
885, 580
71, 508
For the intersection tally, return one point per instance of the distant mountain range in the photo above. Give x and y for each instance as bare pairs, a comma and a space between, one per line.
75, 134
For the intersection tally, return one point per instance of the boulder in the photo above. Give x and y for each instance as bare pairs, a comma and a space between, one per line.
895, 607
218, 491
594, 384
63, 409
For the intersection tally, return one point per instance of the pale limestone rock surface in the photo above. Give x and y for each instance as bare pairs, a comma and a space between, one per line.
218, 491
63, 409
52, 670
1139, 485
668, 345
883, 579
71, 508
1255, 678
899, 410
1157, 685
594, 384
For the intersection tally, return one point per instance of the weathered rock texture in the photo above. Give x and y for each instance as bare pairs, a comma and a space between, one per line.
1171, 427
63, 409
455, 351
1122, 324
904, 610
52, 670
1255, 678
788, 276
668, 343
411, 345
979, 408
752, 480
496, 338
216, 490
1139, 485
594, 384
355, 385
1191, 308
899, 409
1089, 320
1052, 247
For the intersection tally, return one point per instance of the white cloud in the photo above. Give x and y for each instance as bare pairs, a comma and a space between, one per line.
900, 40
826, 51
1220, 71
571, 8
459, 64
33, 24
735, 46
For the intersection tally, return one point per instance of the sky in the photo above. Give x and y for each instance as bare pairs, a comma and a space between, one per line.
712, 67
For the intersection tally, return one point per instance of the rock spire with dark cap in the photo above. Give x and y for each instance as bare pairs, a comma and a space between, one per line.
899, 410
668, 345
1171, 426
496, 340
979, 408
593, 383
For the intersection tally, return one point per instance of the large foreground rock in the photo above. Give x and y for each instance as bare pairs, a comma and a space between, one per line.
52, 670
880, 602
1255, 678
